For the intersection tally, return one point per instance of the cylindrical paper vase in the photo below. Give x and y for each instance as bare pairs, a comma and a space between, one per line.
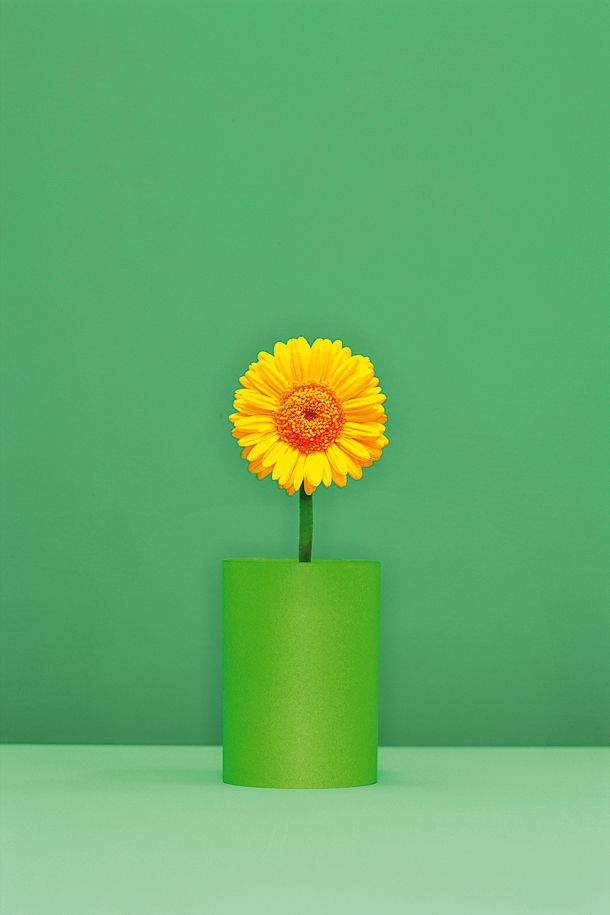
300, 673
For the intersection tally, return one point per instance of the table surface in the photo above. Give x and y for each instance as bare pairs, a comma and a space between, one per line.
128, 830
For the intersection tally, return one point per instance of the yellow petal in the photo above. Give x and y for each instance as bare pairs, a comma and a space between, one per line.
334, 352
369, 414
346, 374
252, 423
278, 383
287, 475
299, 468
308, 488
251, 438
264, 445
360, 404
363, 431
282, 361
251, 402
341, 366
327, 474
353, 447
339, 478
314, 468
318, 358
337, 458
256, 466
285, 466
354, 469
253, 381
274, 453
261, 430
299, 358
354, 384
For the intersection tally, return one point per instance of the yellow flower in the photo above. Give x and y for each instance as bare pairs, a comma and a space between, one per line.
309, 415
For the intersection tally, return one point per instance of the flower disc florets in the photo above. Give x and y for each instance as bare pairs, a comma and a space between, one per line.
310, 418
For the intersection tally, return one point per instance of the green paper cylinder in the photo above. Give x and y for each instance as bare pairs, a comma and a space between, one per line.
300, 673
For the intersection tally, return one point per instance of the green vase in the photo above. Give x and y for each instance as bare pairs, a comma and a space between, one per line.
300, 673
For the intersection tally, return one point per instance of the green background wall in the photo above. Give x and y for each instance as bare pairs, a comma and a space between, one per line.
185, 183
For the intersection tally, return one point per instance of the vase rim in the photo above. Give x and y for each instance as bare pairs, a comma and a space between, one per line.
313, 562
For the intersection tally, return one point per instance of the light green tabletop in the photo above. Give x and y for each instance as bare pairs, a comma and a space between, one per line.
128, 830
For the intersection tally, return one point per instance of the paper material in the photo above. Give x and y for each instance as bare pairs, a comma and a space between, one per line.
300, 673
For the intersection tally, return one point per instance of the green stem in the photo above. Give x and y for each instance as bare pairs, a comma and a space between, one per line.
305, 525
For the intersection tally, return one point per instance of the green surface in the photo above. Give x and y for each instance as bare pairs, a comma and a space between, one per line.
130, 830
185, 183
300, 673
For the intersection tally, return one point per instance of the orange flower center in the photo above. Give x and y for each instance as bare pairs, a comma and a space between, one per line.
309, 418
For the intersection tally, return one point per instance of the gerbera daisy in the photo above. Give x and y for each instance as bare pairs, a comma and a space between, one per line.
310, 415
